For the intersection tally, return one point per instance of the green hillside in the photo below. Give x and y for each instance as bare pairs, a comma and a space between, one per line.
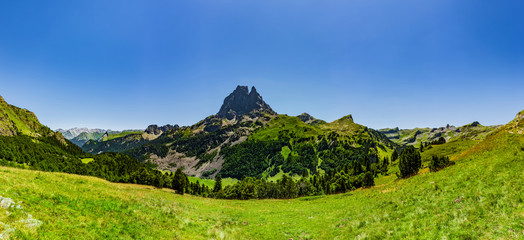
288, 144
82, 138
15, 121
449, 149
26, 143
479, 197
416, 136
115, 142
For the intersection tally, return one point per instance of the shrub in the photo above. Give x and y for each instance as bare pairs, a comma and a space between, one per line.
439, 162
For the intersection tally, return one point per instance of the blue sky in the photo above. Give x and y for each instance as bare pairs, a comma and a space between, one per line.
128, 64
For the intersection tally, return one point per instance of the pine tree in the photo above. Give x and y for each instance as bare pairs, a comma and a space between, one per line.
394, 156
410, 161
179, 181
218, 184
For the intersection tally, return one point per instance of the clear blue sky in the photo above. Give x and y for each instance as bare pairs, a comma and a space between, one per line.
127, 64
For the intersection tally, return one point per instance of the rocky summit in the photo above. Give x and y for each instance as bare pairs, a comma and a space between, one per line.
241, 102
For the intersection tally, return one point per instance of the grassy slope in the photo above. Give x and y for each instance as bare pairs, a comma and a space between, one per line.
285, 123
122, 134
488, 177
449, 149
22, 120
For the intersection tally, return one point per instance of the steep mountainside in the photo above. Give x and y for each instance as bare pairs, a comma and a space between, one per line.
17, 121
473, 131
24, 140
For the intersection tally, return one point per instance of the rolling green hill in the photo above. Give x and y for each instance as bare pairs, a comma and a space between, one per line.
480, 197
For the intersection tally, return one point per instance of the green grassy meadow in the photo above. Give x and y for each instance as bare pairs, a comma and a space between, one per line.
480, 197
210, 182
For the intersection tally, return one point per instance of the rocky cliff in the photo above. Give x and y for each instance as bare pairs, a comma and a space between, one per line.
241, 102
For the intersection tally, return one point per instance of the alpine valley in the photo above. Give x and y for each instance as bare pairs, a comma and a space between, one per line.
306, 178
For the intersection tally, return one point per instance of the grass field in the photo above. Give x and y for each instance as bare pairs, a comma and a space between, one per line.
481, 197
450, 149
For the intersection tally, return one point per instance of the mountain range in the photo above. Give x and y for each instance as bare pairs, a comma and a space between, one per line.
224, 143
246, 137
80, 136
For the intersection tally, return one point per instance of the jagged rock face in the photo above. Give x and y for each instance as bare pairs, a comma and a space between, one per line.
241, 102
156, 130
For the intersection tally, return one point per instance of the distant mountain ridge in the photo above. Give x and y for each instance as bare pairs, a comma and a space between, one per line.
80, 136
74, 132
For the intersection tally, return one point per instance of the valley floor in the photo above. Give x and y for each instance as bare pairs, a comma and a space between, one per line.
479, 197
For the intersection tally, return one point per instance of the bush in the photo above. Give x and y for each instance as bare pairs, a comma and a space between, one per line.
438, 162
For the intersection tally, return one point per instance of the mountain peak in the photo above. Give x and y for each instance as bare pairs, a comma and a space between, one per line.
347, 118
241, 90
241, 102
253, 91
